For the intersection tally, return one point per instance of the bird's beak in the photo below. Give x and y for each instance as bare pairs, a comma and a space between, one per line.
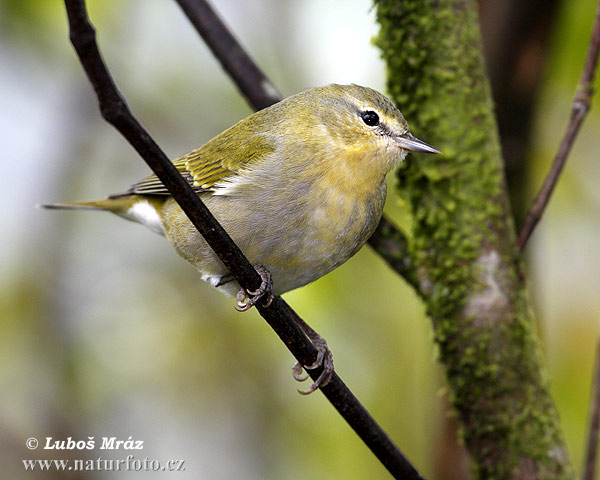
412, 144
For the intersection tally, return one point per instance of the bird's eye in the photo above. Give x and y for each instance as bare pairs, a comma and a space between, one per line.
370, 118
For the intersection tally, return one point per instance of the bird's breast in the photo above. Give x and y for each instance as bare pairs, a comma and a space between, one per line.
326, 230
299, 226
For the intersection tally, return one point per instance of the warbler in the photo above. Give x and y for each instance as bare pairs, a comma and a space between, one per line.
299, 186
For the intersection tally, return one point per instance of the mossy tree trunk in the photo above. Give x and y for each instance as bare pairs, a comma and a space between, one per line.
462, 244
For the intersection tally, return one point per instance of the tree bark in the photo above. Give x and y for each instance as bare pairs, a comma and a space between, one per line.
462, 242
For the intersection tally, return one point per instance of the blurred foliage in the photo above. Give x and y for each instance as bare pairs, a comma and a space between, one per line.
106, 332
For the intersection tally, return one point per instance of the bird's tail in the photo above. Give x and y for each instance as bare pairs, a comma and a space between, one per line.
91, 205
118, 204
137, 208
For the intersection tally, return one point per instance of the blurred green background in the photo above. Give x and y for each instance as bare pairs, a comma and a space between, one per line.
105, 331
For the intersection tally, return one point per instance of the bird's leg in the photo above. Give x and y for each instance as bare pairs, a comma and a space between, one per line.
225, 279
324, 359
246, 299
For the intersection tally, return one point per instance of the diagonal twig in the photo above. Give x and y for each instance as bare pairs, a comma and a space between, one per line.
579, 109
249, 78
591, 456
279, 315
392, 245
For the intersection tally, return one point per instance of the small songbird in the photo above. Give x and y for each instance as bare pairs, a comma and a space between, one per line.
299, 186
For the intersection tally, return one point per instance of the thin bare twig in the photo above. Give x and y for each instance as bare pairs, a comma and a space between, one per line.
279, 315
591, 456
249, 78
579, 109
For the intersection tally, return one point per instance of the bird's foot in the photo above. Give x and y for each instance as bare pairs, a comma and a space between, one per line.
246, 299
324, 359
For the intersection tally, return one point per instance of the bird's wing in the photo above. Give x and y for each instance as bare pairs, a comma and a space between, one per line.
151, 185
225, 156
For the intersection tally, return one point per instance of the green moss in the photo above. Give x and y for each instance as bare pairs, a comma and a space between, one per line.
462, 243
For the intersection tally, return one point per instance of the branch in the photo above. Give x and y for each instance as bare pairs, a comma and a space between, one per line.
579, 109
392, 245
464, 244
279, 315
389, 242
249, 78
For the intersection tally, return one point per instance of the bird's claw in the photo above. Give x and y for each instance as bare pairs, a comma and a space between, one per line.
324, 359
246, 299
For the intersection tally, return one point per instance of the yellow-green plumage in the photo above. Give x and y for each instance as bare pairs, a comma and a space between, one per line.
299, 186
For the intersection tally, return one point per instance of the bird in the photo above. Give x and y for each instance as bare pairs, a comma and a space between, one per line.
299, 186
